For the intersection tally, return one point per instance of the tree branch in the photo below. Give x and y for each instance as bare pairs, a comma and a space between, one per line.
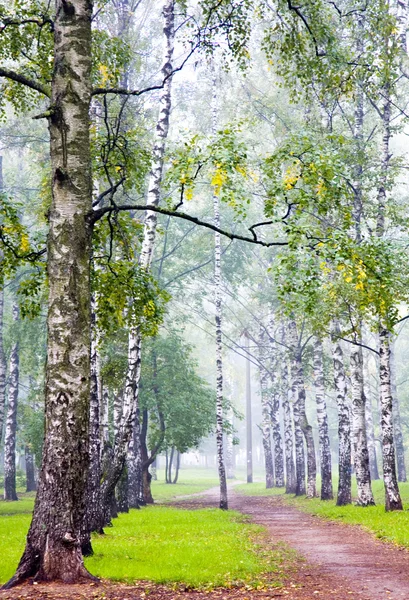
95, 215
31, 83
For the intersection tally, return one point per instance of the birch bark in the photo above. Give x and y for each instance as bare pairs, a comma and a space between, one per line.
373, 463
360, 445
3, 363
397, 424
131, 426
93, 519
218, 323
230, 445
30, 470
3, 366
265, 412
53, 549
290, 486
11, 421
300, 488
344, 495
275, 412
322, 416
300, 419
392, 496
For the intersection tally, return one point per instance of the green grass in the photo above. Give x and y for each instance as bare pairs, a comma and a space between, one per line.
392, 527
196, 548
191, 481
199, 548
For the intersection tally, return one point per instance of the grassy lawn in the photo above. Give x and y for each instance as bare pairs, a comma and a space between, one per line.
392, 527
191, 481
196, 548
199, 548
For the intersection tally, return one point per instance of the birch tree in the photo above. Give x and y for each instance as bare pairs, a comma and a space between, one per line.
218, 323
53, 543
131, 422
322, 416
11, 421
265, 412
344, 495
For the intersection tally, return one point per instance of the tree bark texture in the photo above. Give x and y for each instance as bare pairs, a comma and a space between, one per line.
322, 416
360, 445
93, 518
53, 549
230, 445
131, 418
218, 323
392, 496
3, 368
300, 416
11, 420
30, 470
122, 492
3, 363
265, 411
397, 424
275, 414
344, 495
291, 483
370, 432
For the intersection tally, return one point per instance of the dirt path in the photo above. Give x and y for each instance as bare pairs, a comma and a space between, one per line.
345, 557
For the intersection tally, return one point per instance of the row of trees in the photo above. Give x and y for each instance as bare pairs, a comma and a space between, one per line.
306, 165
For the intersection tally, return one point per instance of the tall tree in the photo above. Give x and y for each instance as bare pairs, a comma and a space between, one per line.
218, 322
344, 495
10, 492
322, 416
265, 411
53, 543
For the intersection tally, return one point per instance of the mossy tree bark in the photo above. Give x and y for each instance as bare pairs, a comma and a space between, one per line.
53, 549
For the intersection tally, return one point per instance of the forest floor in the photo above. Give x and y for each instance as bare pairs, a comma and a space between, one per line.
333, 561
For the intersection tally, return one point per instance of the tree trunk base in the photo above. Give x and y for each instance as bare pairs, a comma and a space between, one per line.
59, 562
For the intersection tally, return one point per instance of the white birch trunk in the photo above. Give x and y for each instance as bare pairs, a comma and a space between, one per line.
3, 363
3, 367
130, 425
397, 424
344, 495
322, 416
275, 411
290, 482
297, 374
265, 412
370, 431
392, 496
300, 489
360, 445
11, 421
218, 331
53, 543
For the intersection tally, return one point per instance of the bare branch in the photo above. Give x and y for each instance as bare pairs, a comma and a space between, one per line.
94, 216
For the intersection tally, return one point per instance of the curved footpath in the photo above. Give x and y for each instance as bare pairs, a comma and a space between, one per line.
346, 556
